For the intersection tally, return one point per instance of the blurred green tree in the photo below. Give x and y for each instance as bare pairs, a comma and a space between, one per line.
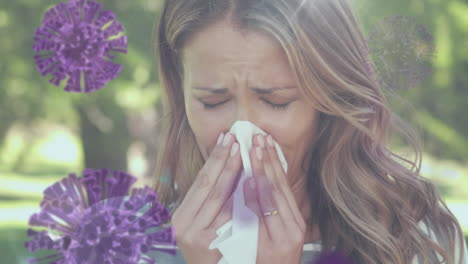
101, 118
438, 105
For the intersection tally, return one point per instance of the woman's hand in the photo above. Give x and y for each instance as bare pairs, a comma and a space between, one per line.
281, 235
208, 204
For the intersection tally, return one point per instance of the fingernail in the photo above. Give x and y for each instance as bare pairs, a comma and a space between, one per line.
220, 138
227, 139
259, 153
234, 149
270, 141
252, 183
261, 142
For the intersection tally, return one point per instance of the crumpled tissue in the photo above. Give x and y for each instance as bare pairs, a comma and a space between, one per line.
237, 239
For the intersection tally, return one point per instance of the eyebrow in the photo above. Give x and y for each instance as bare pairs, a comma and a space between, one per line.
255, 89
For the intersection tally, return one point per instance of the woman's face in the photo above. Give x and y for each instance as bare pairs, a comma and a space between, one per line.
244, 75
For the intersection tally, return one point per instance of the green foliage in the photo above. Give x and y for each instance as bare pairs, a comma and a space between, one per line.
27, 97
440, 101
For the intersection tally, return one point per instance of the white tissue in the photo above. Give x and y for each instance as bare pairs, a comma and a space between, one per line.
237, 239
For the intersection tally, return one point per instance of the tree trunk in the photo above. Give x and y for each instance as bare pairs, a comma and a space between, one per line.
105, 136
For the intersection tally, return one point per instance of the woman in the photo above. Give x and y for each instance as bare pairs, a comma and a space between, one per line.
300, 71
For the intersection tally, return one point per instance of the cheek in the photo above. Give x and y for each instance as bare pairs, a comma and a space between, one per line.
205, 123
288, 128
206, 128
294, 135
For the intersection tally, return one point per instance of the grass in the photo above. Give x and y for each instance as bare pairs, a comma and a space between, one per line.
16, 186
12, 247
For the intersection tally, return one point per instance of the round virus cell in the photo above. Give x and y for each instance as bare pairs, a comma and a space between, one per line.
97, 219
75, 40
402, 51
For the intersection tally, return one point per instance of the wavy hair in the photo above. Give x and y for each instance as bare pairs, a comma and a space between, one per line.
366, 199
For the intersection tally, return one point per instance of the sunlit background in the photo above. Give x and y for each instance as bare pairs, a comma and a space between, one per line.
46, 133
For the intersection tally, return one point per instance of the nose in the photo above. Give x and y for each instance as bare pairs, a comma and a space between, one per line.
246, 112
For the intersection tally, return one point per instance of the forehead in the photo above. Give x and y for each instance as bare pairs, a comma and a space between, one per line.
222, 44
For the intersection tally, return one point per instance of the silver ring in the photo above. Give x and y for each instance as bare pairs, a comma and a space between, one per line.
270, 213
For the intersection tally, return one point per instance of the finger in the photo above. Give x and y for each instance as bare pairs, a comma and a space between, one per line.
224, 215
251, 201
282, 182
291, 228
221, 191
250, 191
205, 179
259, 141
264, 190
274, 171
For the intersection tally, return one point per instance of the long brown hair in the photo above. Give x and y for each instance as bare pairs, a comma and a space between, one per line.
366, 199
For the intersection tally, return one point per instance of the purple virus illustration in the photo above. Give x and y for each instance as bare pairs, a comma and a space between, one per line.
75, 40
97, 219
402, 50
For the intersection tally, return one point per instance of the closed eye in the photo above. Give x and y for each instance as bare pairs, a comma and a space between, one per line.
274, 106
